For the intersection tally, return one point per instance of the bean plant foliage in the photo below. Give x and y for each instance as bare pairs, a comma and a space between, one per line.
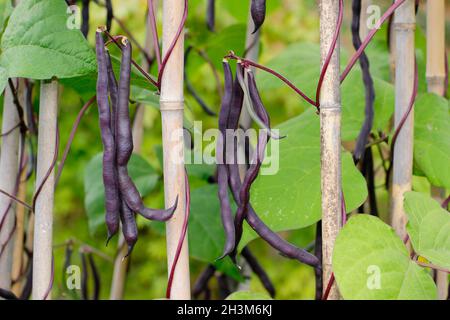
231, 212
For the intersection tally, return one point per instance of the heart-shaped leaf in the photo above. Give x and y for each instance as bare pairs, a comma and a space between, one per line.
429, 228
39, 43
432, 139
370, 262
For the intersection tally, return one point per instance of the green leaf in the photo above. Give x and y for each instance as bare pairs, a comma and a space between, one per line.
291, 198
370, 262
353, 105
432, 139
248, 295
38, 44
218, 45
142, 173
429, 228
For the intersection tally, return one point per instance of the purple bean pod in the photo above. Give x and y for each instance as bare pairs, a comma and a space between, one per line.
112, 204
202, 281
85, 17
96, 276
129, 227
109, 14
368, 84
318, 254
259, 271
258, 12
211, 15
222, 172
113, 93
258, 157
272, 238
124, 143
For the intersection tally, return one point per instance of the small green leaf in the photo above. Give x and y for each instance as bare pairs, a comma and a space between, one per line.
370, 262
143, 175
38, 43
429, 228
291, 198
432, 139
248, 295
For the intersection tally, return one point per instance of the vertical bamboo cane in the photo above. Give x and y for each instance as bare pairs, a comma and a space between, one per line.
436, 84
172, 106
18, 252
9, 160
43, 230
330, 132
19, 236
121, 265
436, 46
404, 26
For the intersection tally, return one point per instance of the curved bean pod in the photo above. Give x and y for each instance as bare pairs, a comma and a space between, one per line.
123, 128
222, 172
202, 281
85, 17
272, 238
259, 271
368, 84
109, 14
318, 254
112, 204
211, 15
124, 142
7, 295
258, 11
84, 277
96, 277
113, 92
133, 199
129, 227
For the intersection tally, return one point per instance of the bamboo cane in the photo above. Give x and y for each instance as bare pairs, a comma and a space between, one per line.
17, 263
121, 265
9, 160
330, 132
404, 26
172, 106
436, 84
436, 46
43, 230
